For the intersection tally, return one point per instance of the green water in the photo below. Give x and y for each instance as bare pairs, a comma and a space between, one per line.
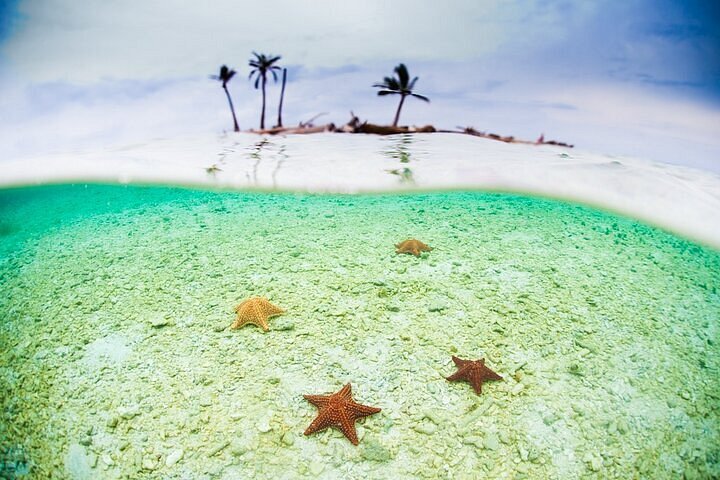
115, 356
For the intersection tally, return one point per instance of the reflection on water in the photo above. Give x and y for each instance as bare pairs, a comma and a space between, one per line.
264, 152
281, 158
400, 148
405, 174
227, 150
265, 155
256, 155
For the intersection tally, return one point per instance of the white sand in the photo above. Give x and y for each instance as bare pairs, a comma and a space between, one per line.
681, 199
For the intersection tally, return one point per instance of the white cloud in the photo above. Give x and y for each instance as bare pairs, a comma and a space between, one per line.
619, 119
86, 41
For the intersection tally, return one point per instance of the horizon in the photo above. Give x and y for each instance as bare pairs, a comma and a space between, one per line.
640, 79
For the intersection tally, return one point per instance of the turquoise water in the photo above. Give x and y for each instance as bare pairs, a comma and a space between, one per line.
117, 361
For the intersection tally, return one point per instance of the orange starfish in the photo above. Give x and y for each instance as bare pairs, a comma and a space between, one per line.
412, 246
473, 371
338, 410
255, 310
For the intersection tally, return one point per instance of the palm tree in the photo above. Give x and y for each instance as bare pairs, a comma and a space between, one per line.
282, 96
402, 85
225, 75
262, 64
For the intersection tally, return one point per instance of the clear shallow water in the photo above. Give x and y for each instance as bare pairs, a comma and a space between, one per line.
605, 332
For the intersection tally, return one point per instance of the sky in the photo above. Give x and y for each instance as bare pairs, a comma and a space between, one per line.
635, 77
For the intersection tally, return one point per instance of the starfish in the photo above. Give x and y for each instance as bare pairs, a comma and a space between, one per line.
338, 410
473, 371
412, 246
255, 310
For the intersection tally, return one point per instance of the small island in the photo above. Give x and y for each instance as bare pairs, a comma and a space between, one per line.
399, 84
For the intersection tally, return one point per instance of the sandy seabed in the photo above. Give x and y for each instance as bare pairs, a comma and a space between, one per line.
116, 360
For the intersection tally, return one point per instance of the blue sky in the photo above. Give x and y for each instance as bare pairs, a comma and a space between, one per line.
633, 77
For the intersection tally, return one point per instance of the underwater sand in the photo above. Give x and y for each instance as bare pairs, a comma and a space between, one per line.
116, 360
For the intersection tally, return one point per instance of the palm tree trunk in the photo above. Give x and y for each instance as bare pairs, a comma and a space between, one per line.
282, 95
397, 114
232, 109
262, 112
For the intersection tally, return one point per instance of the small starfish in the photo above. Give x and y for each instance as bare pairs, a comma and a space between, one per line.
255, 310
474, 372
338, 410
412, 246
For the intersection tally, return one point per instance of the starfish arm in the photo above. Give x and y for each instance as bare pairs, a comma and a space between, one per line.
347, 426
318, 400
490, 375
235, 325
463, 372
457, 376
475, 378
359, 411
321, 422
345, 392
459, 362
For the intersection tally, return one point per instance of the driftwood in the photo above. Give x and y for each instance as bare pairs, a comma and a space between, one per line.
355, 126
310, 123
510, 139
390, 130
330, 127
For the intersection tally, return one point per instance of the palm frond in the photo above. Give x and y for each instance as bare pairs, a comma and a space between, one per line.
421, 97
403, 76
387, 92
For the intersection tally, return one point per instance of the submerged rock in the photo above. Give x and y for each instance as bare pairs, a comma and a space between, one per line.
375, 452
491, 442
159, 321
316, 468
174, 457
427, 428
129, 412
77, 464
437, 305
